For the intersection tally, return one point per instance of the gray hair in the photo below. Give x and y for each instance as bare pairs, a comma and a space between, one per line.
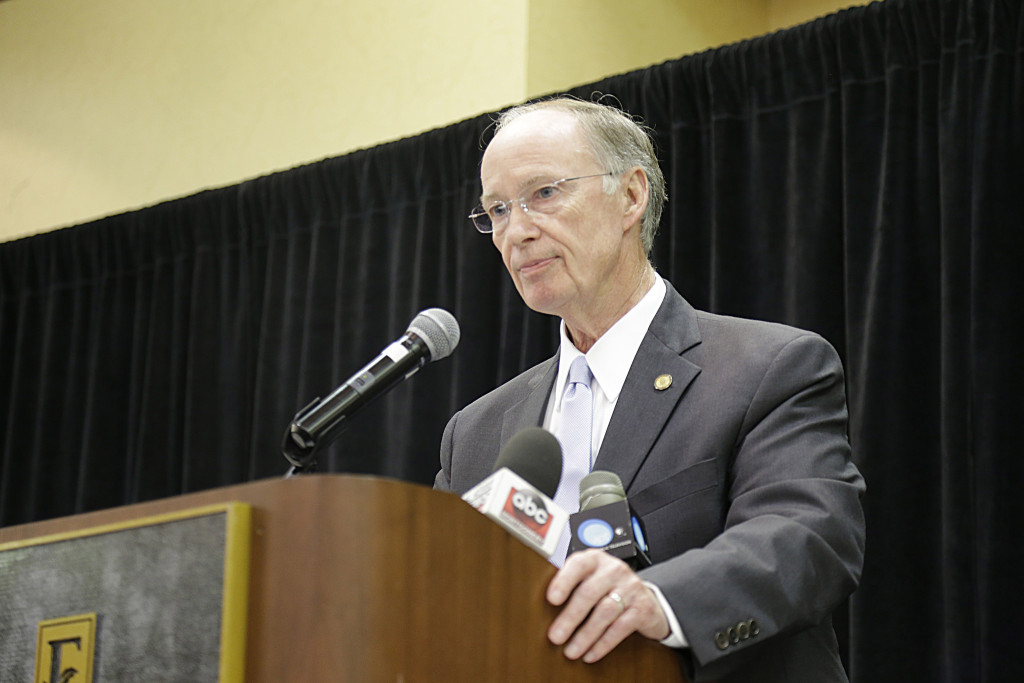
618, 141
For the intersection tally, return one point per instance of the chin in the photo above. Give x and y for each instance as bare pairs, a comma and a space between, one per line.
542, 300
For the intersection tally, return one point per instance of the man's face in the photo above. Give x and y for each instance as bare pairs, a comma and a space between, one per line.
566, 263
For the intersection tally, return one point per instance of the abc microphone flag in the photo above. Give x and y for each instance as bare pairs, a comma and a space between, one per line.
517, 495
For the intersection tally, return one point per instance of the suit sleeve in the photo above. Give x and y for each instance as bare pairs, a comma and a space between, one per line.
443, 479
793, 539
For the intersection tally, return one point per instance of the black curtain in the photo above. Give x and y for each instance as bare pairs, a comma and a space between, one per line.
859, 176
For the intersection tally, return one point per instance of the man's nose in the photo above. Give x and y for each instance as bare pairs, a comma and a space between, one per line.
520, 225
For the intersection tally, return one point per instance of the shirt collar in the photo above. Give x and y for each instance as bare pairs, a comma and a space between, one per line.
612, 355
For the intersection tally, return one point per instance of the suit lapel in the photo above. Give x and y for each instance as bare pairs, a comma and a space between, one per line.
643, 408
529, 412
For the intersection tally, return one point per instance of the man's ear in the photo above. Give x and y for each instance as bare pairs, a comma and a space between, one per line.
637, 192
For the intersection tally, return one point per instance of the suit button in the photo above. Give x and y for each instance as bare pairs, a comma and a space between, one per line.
721, 641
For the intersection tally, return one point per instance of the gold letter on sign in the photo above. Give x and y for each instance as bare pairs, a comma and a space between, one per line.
65, 649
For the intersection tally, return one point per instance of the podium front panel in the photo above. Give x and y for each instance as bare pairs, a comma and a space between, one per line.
166, 595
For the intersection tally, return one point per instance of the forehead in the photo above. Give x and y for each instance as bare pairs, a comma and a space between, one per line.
544, 144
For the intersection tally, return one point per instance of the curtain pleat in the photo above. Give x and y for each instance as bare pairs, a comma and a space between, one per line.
859, 176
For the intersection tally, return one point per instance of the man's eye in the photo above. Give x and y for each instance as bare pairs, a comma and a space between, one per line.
546, 192
497, 211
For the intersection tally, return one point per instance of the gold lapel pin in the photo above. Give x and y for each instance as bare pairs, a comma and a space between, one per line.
662, 382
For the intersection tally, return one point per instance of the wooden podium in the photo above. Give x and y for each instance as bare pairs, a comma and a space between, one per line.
366, 579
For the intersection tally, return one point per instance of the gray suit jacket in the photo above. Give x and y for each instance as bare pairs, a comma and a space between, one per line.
741, 472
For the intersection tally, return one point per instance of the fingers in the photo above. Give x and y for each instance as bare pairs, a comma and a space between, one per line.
608, 625
585, 580
577, 568
605, 601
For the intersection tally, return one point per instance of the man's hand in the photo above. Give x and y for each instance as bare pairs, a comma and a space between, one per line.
591, 581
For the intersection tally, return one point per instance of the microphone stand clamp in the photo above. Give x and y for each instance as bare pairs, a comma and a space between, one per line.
299, 448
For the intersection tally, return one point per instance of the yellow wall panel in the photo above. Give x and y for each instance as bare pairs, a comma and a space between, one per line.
786, 13
109, 105
580, 41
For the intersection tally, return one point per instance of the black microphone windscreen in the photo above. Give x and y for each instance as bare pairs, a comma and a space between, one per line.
600, 488
439, 331
536, 456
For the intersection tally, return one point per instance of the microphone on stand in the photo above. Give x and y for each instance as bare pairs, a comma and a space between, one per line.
432, 335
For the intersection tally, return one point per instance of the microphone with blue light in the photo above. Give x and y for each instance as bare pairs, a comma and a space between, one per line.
607, 522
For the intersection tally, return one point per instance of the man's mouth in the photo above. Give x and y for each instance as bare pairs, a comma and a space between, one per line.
534, 265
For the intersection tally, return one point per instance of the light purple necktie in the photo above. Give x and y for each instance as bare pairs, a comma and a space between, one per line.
575, 434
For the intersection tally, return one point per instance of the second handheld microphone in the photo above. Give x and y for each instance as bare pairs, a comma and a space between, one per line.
607, 522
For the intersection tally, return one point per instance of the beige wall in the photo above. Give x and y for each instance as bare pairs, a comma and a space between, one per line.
579, 41
109, 105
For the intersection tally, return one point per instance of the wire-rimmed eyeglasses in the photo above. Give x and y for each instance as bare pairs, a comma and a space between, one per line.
544, 199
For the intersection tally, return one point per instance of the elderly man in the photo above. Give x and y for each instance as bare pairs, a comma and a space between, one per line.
729, 434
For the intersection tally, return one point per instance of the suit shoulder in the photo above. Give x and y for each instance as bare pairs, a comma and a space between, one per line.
512, 391
759, 332
756, 344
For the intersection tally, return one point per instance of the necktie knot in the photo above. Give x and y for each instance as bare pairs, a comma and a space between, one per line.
579, 373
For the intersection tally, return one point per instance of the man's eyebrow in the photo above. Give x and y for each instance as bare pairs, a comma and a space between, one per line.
529, 183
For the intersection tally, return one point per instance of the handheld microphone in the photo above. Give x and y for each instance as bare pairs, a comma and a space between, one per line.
607, 522
432, 335
518, 494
